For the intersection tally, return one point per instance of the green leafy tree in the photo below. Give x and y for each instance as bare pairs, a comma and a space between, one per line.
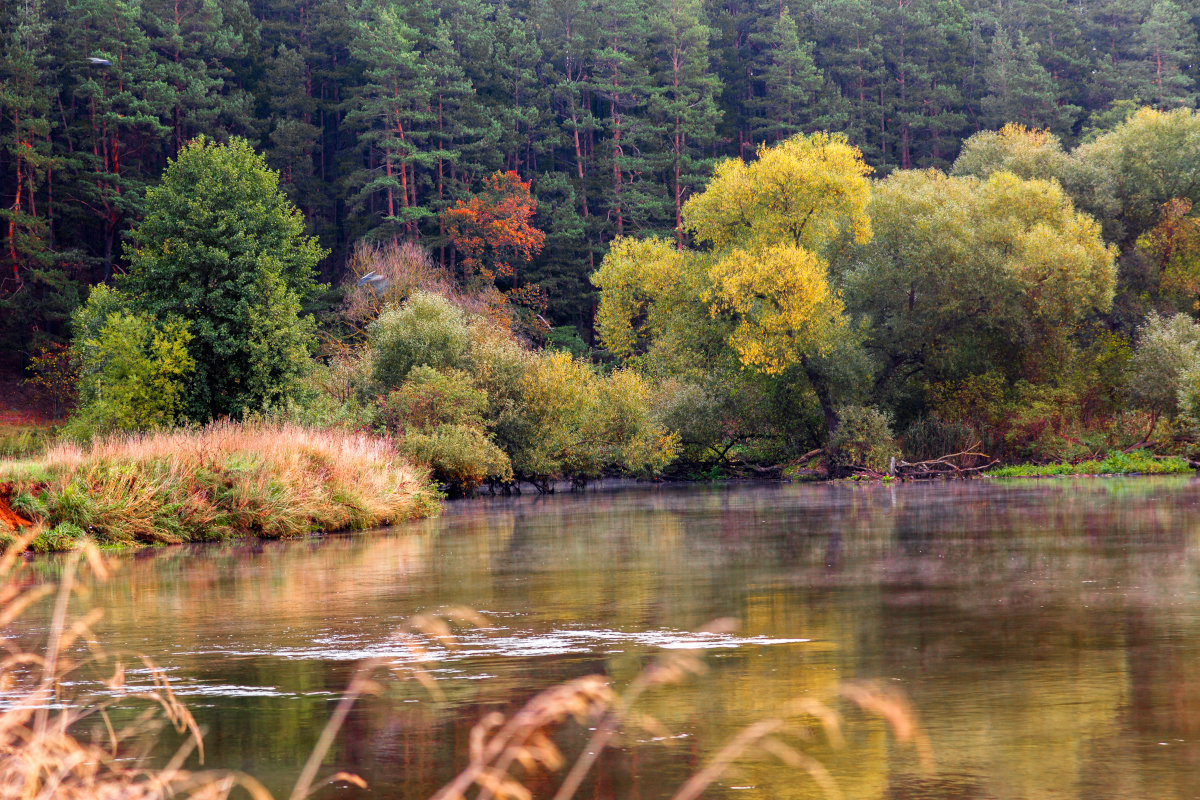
966, 275
1164, 365
132, 368
1028, 153
223, 249
1126, 174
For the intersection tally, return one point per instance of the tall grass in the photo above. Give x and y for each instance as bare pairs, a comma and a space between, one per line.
218, 482
40, 757
20, 441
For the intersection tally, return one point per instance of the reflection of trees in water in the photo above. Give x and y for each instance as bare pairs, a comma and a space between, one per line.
1046, 632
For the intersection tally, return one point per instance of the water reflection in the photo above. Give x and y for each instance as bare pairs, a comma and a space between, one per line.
1047, 632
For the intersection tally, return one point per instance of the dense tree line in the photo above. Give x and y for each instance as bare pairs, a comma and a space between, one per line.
381, 114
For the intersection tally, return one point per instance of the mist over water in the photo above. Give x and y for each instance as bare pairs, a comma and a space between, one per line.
1046, 632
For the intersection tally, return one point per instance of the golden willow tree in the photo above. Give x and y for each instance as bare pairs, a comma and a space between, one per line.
761, 290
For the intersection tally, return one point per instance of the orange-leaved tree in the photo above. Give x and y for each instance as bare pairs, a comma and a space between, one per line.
492, 230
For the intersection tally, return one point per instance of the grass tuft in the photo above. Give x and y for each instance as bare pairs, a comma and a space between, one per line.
218, 482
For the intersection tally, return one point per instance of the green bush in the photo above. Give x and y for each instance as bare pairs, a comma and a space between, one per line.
428, 399
461, 456
428, 330
133, 372
863, 439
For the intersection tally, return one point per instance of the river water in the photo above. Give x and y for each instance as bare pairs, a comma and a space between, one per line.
1045, 633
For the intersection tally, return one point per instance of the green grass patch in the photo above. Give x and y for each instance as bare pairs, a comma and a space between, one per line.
1139, 462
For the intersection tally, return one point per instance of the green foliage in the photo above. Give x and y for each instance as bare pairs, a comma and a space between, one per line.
461, 456
1027, 153
567, 339
1117, 463
967, 275
863, 439
1167, 352
1127, 174
427, 330
133, 373
224, 250
428, 399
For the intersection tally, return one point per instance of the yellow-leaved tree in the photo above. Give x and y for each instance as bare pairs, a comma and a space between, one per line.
761, 289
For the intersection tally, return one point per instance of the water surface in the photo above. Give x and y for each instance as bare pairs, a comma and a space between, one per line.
1046, 632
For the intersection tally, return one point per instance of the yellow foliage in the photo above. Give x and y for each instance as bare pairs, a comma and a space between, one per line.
807, 191
637, 280
783, 303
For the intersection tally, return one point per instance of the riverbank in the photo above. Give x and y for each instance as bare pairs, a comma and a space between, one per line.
215, 483
1139, 462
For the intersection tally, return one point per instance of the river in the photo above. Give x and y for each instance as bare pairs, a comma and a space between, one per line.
1046, 634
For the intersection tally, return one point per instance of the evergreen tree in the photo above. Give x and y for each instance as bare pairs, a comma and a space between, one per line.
391, 112
1020, 89
36, 294
787, 82
194, 44
119, 105
683, 102
1167, 44
293, 135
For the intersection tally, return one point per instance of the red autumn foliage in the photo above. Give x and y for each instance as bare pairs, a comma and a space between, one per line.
492, 230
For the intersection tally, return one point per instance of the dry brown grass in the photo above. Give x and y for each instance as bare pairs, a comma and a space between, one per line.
223, 480
40, 755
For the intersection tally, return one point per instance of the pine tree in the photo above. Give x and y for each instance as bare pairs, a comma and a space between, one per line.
683, 102
194, 43
1167, 44
1020, 89
36, 293
849, 51
786, 81
293, 136
391, 112
119, 105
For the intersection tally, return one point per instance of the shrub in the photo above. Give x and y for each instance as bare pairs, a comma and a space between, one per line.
581, 424
428, 399
428, 330
1167, 348
461, 456
132, 374
863, 439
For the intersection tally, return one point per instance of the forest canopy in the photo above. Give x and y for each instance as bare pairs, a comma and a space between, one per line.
543, 239
383, 115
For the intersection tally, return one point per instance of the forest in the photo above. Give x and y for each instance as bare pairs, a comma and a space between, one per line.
558, 240
382, 114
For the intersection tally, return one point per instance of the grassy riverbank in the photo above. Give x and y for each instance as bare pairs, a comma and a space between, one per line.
218, 482
1139, 462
